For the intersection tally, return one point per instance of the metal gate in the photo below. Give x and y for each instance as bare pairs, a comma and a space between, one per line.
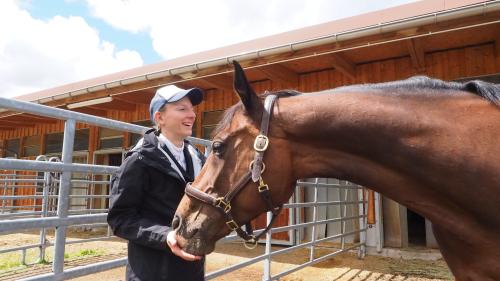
322, 210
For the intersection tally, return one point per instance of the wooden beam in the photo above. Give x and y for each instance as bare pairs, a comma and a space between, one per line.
17, 123
115, 105
25, 117
342, 64
222, 82
4, 127
137, 98
91, 111
280, 73
416, 53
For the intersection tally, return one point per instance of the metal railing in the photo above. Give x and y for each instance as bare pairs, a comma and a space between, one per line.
54, 210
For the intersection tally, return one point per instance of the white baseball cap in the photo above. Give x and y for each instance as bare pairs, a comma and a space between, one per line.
172, 93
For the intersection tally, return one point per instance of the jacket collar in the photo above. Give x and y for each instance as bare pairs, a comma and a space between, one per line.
153, 156
148, 147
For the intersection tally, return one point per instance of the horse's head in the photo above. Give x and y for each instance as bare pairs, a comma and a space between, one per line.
226, 192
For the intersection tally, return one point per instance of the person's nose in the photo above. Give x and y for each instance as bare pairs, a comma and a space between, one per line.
192, 114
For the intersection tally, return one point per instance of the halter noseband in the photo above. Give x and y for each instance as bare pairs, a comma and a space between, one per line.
256, 168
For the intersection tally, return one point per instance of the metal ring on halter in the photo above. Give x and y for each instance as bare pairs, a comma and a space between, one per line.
251, 244
250, 167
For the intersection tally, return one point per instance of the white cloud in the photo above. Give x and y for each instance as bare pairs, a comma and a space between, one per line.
180, 28
36, 54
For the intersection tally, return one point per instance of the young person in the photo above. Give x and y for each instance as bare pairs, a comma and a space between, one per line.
148, 187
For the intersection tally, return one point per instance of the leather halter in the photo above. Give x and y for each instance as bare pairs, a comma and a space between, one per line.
256, 168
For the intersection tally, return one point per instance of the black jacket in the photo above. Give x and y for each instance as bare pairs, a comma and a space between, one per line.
145, 193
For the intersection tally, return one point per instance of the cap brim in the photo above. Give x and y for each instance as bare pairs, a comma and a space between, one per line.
195, 95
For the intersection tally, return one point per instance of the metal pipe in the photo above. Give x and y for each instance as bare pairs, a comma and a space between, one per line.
315, 214
79, 271
407, 23
378, 222
63, 199
32, 165
4, 193
33, 223
267, 261
62, 114
45, 200
362, 224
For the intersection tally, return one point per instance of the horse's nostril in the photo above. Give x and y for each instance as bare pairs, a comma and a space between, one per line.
176, 222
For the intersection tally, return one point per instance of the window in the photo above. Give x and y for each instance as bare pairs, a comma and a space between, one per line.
12, 148
54, 143
31, 146
134, 138
81, 140
209, 122
109, 138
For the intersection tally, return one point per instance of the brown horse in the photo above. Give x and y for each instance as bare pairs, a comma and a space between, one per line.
430, 145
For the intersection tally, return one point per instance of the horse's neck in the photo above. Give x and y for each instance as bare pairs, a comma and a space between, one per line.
407, 147
329, 128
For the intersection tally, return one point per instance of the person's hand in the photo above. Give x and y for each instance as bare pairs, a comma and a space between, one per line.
172, 243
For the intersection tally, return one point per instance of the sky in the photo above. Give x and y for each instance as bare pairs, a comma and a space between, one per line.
48, 43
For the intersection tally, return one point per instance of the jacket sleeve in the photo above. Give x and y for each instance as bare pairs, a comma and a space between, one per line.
127, 192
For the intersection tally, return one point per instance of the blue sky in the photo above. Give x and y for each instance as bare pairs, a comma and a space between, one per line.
44, 44
122, 39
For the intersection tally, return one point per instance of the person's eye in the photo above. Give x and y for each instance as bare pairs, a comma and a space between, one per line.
218, 148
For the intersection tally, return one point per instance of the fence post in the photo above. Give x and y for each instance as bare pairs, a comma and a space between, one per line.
378, 223
45, 200
63, 198
267, 262
4, 193
362, 223
314, 218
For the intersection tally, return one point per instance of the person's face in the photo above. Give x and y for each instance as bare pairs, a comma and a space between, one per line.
177, 118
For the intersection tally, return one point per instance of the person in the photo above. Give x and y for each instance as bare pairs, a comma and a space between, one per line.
149, 185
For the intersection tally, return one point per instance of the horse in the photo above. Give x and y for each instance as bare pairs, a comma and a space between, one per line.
425, 143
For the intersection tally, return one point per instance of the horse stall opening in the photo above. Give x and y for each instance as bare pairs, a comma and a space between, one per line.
65, 197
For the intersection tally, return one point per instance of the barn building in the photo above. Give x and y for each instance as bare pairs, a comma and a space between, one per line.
453, 40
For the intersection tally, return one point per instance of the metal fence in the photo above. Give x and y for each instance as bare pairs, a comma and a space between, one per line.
52, 205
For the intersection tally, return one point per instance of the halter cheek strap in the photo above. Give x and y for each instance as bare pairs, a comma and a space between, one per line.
257, 167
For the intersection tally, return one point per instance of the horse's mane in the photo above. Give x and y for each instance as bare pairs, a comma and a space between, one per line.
487, 90
228, 115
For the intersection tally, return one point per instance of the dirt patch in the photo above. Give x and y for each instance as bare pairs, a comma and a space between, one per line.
344, 267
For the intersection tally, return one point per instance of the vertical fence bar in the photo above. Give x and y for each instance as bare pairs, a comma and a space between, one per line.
315, 213
63, 198
341, 213
362, 223
344, 214
4, 193
13, 192
266, 276
378, 224
45, 202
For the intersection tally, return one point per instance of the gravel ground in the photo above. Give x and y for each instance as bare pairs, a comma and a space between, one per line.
344, 267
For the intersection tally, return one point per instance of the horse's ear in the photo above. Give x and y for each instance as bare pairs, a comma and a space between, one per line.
250, 100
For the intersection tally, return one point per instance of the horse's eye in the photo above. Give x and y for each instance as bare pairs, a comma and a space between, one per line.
218, 148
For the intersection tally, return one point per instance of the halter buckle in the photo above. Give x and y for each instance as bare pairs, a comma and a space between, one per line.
232, 225
221, 203
260, 144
